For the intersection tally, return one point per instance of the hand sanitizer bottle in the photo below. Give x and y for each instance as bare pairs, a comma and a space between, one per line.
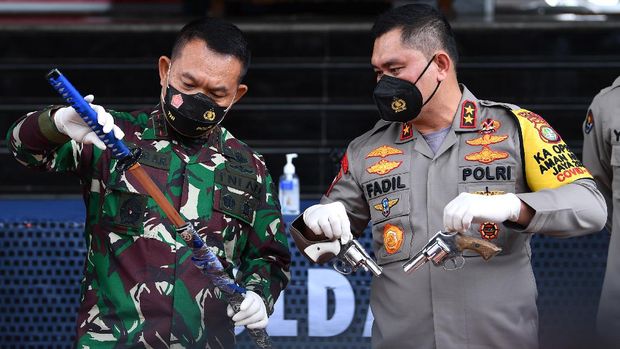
288, 192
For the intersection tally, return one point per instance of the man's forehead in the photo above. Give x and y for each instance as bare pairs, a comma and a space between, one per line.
389, 48
209, 64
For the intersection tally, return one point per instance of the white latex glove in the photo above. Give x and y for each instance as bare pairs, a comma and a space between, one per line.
252, 312
330, 220
466, 208
69, 122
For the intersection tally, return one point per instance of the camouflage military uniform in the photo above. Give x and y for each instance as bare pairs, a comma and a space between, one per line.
140, 287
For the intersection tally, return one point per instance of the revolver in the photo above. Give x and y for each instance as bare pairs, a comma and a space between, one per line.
346, 258
447, 247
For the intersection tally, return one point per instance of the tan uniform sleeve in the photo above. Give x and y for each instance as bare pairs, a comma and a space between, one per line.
573, 209
597, 152
563, 195
346, 189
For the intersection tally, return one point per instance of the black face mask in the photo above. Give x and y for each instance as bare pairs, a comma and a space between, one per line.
399, 100
191, 115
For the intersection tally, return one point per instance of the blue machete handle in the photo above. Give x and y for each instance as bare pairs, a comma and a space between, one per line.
88, 114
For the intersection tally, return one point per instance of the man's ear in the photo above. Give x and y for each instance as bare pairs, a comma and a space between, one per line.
444, 65
164, 66
242, 89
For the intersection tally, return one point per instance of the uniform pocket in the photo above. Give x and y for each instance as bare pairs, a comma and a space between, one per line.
125, 205
615, 163
124, 212
497, 233
392, 239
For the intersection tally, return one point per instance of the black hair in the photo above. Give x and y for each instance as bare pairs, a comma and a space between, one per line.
220, 36
423, 28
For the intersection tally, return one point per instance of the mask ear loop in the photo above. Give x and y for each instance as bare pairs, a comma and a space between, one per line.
425, 68
227, 109
165, 89
438, 82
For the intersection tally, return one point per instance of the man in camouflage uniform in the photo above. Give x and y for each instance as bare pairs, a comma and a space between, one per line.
140, 287
441, 159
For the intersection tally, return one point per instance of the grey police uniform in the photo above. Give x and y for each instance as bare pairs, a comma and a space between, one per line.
390, 177
601, 155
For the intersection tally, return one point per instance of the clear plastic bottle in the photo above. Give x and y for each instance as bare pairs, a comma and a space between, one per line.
288, 192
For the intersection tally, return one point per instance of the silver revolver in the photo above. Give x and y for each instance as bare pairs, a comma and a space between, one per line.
345, 258
447, 247
352, 256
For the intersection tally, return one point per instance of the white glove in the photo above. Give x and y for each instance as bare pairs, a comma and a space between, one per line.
252, 312
467, 208
330, 220
69, 122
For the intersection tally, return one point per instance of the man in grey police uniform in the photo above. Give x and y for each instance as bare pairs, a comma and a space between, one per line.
443, 159
601, 155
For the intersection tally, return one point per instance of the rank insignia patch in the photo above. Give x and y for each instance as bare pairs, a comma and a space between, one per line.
392, 238
385, 206
383, 167
487, 137
489, 230
589, 122
407, 131
383, 151
468, 114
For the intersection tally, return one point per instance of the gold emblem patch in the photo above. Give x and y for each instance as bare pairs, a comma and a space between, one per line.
487, 192
392, 238
486, 155
487, 137
399, 105
383, 151
383, 167
209, 115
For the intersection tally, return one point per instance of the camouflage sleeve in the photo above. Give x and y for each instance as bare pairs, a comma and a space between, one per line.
265, 259
35, 142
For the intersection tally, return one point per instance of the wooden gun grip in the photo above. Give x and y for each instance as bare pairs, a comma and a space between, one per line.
484, 248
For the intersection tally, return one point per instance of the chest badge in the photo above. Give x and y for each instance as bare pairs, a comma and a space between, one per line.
488, 192
489, 230
383, 167
384, 151
487, 137
385, 206
392, 238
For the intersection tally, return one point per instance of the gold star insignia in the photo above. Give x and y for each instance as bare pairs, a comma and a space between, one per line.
469, 109
468, 119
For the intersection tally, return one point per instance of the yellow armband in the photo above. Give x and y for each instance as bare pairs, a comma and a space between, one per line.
548, 162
